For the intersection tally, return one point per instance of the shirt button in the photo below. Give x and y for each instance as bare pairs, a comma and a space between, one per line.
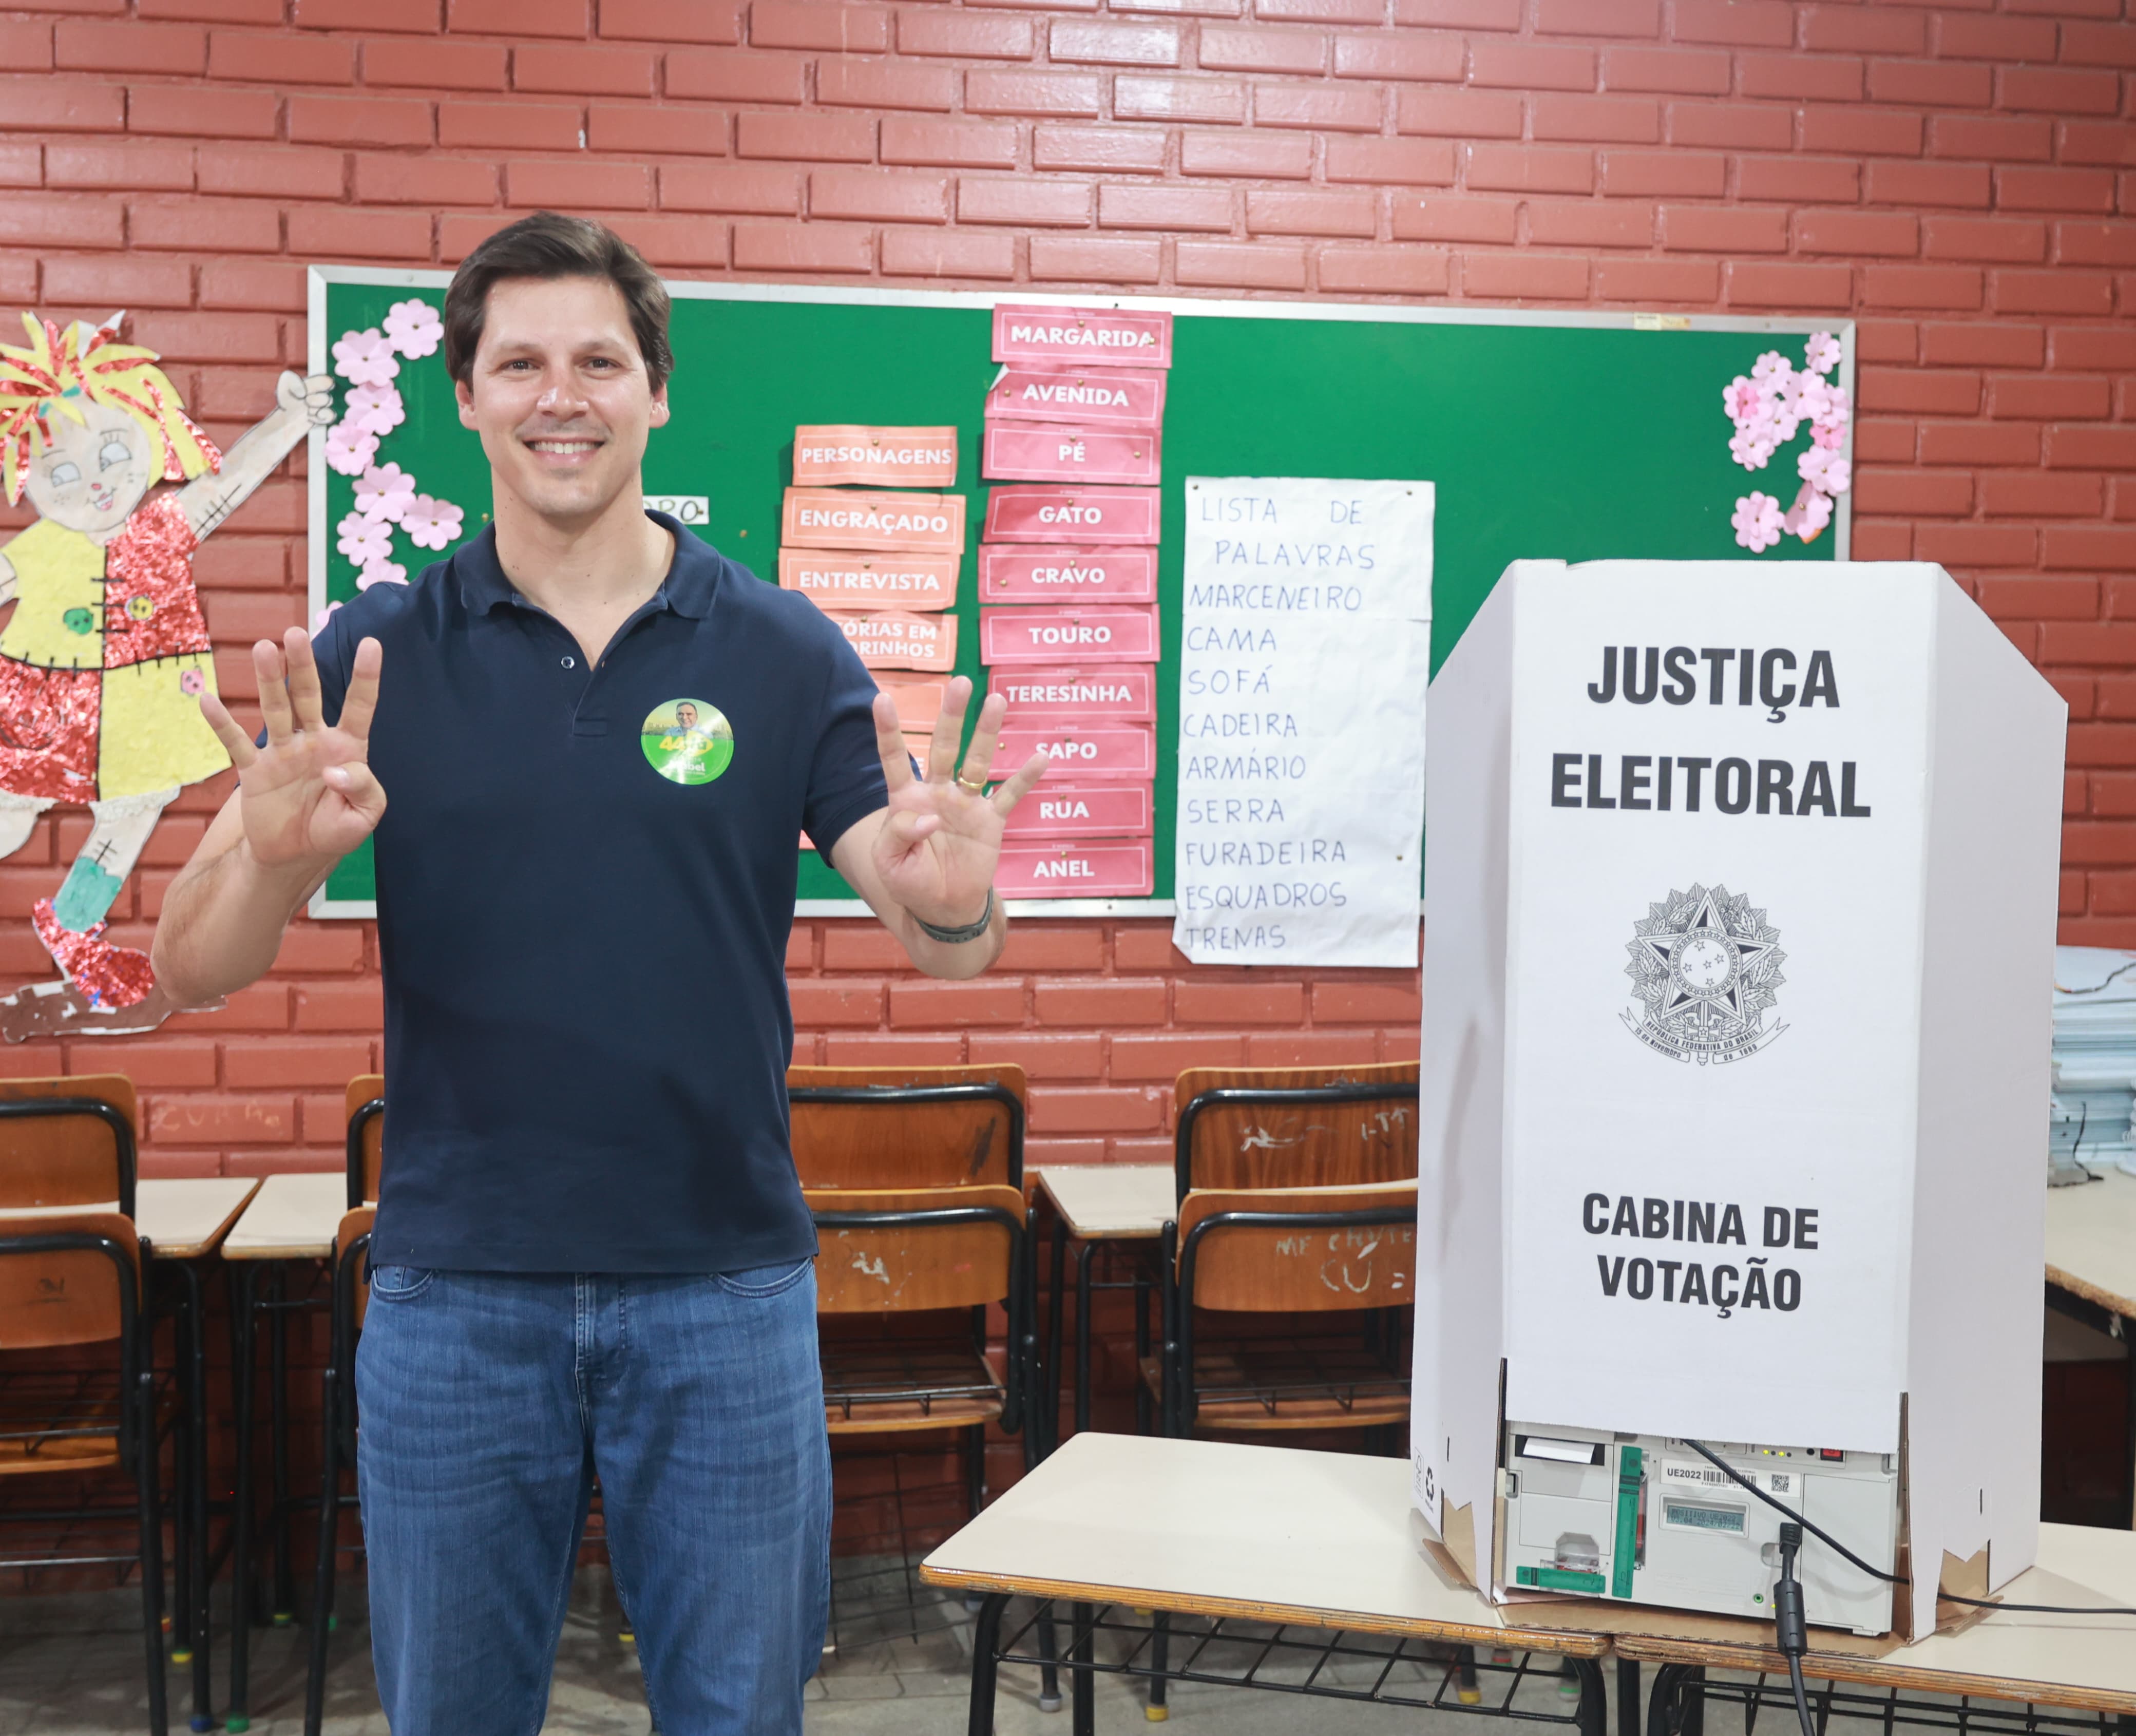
571, 662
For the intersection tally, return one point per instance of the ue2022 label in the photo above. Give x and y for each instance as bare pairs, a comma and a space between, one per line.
1098, 397
688, 741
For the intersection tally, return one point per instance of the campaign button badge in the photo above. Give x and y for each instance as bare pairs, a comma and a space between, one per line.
687, 740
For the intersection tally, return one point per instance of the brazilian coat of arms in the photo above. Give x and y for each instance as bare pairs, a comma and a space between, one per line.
1705, 968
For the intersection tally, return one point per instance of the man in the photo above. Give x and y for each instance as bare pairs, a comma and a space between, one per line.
591, 1256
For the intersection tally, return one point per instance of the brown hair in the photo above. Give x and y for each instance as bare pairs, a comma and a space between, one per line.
548, 244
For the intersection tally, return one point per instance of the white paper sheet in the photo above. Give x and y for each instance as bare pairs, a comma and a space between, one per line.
1306, 648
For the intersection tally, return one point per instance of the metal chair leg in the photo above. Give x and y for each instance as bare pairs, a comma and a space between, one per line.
1160, 1634
244, 1290
986, 1646
322, 1579
1083, 1720
145, 1480
277, 1358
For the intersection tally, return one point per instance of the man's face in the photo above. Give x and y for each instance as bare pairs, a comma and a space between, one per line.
559, 394
687, 715
92, 474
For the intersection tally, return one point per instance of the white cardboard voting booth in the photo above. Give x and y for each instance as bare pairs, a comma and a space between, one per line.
1741, 898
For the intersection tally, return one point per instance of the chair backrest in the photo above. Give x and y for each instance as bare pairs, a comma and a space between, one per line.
1298, 1249
903, 1250
355, 1227
68, 1142
59, 1283
1294, 1126
907, 1126
364, 1105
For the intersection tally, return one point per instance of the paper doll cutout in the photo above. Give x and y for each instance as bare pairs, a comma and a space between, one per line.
105, 659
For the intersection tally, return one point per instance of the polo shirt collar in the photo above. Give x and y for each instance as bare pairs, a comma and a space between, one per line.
692, 576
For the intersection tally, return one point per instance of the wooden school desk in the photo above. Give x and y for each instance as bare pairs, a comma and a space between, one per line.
2042, 1664
183, 1222
1225, 1539
2091, 1277
292, 1218
1095, 1204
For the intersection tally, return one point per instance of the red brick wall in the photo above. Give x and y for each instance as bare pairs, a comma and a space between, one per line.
1957, 177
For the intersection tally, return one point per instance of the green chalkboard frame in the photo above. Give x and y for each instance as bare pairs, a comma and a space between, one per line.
1570, 435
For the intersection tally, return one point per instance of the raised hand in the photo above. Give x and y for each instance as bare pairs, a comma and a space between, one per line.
937, 852
307, 398
309, 796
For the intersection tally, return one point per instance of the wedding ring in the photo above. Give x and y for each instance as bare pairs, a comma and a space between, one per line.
973, 789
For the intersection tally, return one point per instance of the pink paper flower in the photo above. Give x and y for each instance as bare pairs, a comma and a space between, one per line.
192, 684
1742, 399
1757, 522
381, 572
362, 540
1825, 470
1821, 353
432, 524
1810, 514
1753, 446
319, 620
375, 409
349, 449
365, 358
414, 328
1771, 370
1830, 436
384, 491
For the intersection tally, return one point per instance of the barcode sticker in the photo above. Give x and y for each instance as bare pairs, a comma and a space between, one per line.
1690, 1474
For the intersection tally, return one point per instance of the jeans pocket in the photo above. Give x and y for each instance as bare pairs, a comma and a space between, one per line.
399, 1283
760, 1281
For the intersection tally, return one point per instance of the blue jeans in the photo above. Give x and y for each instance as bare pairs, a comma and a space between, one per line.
488, 1403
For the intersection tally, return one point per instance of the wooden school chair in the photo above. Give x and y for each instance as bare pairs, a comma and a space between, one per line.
907, 1126
71, 1279
1289, 1251
1294, 1126
903, 1279
350, 1298
364, 1105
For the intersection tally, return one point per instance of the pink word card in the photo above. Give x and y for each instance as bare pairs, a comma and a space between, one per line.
1090, 811
1010, 572
1098, 397
1124, 868
894, 640
886, 458
1037, 452
840, 578
1127, 635
1114, 693
1044, 514
1105, 751
1106, 337
830, 518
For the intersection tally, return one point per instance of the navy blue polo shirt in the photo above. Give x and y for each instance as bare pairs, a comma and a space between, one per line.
585, 880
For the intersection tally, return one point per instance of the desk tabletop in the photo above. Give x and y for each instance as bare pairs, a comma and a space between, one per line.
184, 1219
2091, 1240
1211, 1528
1122, 1202
292, 1217
2087, 1662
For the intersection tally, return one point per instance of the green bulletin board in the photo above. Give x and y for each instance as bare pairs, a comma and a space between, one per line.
1577, 437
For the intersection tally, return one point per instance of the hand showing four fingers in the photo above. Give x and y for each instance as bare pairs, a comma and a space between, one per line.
938, 849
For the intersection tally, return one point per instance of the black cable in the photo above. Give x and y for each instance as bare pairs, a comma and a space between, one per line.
1823, 1535
1790, 1630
